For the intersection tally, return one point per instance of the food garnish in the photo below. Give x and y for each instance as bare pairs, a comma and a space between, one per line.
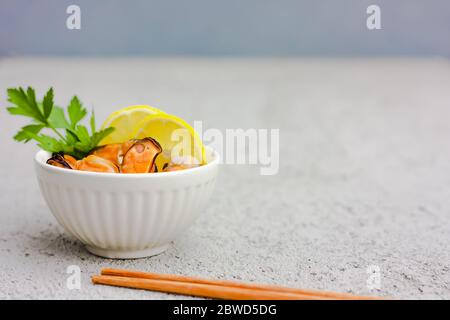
176, 137
145, 139
124, 121
70, 137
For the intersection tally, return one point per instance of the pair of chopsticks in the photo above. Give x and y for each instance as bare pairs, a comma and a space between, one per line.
219, 289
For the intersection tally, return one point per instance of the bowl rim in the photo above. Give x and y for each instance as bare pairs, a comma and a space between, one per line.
38, 158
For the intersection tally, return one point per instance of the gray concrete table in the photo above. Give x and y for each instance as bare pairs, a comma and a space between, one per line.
364, 175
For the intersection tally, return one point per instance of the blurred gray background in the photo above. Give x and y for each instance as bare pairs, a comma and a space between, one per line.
225, 28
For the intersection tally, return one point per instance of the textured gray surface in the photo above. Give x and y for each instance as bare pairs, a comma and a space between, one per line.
364, 175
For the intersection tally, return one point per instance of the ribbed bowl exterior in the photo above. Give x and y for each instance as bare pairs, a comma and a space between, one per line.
125, 215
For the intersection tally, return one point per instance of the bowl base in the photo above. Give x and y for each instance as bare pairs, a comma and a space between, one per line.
127, 254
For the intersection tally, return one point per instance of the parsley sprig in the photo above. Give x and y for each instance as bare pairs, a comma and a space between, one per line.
71, 137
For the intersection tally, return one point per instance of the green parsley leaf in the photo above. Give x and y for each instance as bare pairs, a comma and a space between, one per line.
83, 135
31, 98
47, 103
92, 122
98, 136
45, 115
71, 137
57, 118
47, 143
27, 132
25, 104
76, 111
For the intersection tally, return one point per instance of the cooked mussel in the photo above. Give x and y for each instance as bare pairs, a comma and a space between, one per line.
71, 161
62, 161
113, 152
133, 156
96, 164
140, 157
180, 163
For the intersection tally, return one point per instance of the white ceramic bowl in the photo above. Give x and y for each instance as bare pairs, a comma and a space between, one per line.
126, 215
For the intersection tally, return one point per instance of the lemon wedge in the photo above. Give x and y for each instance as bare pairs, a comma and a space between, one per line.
179, 141
124, 121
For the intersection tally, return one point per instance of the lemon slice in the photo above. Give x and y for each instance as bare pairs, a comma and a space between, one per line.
179, 141
124, 121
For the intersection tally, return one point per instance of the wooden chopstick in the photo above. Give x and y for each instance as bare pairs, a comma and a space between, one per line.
200, 290
223, 289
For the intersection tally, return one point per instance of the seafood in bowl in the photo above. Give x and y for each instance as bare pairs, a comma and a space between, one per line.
126, 215
132, 156
126, 190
